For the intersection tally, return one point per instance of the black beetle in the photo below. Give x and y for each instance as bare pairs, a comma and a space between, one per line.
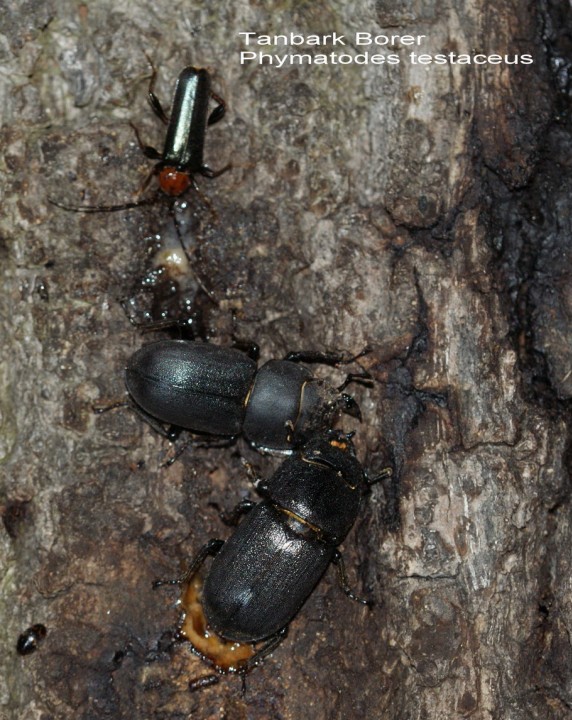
182, 155
219, 391
30, 639
260, 578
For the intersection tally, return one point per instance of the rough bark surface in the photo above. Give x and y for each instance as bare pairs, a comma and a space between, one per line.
423, 211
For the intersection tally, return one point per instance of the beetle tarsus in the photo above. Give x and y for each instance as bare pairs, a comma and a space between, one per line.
210, 173
219, 112
338, 561
232, 517
363, 378
211, 548
100, 409
201, 683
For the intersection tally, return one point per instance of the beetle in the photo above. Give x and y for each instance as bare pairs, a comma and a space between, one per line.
262, 575
182, 155
220, 391
30, 639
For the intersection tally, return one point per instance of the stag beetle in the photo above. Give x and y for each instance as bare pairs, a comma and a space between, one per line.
262, 575
219, 391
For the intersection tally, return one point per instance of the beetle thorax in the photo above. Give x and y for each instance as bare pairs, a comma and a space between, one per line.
173, 182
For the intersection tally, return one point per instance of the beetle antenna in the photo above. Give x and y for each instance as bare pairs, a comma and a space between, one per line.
243, 678
104, 208
385, 473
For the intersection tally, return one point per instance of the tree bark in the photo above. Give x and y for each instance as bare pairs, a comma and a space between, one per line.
421, 210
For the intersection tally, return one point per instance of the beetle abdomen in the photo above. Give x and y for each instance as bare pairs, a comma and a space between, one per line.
194, 385
262, 576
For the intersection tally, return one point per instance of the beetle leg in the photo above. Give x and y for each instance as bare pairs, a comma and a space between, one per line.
206, 201
312, 357
203, 682
364, 378
152, 99
210, 173
147, 150
145, 184
385, 473
153, 325
216, 443
231, 518
253, 474
338, 561
171, 433
211, 548
325, 358
260, 483
100, 409
219, 111
246, 346
269, 646
155, 103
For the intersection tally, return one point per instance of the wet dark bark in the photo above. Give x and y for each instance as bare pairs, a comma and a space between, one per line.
423, 211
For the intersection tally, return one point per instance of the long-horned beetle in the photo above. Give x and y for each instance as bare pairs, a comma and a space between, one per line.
262, 575
182, 155
220, 391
